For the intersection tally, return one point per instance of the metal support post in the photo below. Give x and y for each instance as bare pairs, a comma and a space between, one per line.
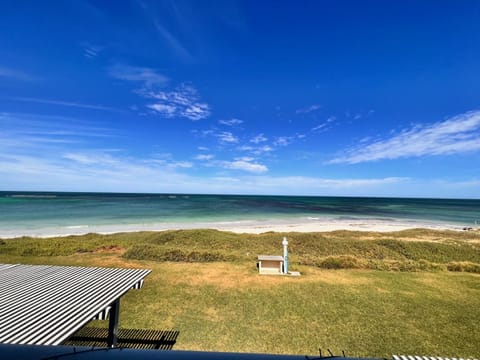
113, 324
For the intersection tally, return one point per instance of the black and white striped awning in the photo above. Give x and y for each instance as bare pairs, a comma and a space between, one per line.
44, 305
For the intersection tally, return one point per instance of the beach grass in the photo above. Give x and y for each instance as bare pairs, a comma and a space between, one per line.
205, 284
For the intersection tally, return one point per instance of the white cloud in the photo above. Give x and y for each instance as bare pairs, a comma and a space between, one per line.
309, 109
105, 160
203, 133
256, 150
245, 164
245, 158
91, 51
91, 158
121, 174
264, 148
292, 184
164, 109
230, 122
197, 111
24, 133
126, 174
166, 160
459, 134
183, 101
148, 77
320, 127
180, 164
325, 125
283, 140
258, 139
226, 137
204, 157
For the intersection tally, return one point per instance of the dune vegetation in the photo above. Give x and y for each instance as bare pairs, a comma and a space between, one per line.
368, 294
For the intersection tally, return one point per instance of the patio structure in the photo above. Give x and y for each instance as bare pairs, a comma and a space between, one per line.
45, 305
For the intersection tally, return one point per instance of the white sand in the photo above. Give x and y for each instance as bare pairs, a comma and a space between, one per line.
252, 227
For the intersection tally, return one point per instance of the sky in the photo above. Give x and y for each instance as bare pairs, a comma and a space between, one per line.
327, 98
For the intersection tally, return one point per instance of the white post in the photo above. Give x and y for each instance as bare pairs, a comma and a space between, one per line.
285, 255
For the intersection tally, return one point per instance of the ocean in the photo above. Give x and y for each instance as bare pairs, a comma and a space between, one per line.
31, 213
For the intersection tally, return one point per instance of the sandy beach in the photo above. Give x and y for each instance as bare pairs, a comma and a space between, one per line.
40, 214
251, 227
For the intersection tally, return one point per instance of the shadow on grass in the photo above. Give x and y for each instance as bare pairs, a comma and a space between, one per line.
127, 338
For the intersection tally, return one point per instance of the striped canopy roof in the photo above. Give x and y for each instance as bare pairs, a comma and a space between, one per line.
44, 305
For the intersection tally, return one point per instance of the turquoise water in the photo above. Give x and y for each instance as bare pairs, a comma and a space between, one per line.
31, 210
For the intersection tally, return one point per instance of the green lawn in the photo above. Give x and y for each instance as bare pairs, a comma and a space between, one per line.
226, 306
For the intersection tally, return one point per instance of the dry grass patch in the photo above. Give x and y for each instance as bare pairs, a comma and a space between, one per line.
227, 276
224, 276
100, 259
110, 249
213, 314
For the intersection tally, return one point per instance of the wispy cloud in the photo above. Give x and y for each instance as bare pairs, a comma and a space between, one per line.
91, 158
63, 103
147, 77
204, 157
322, 127
106, 160
283, 140
33, 132
309, 109
90, 171
170, 163
177, 47
459, 134
226, 137
258, 139
230, 122
97, 170
91, 51
164, 109
319, 183
245, 164
183, 101
8, 72
256, 150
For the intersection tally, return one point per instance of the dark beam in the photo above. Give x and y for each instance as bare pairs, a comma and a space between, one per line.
112, 337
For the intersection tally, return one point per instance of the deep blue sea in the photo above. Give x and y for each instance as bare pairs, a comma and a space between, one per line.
32, 211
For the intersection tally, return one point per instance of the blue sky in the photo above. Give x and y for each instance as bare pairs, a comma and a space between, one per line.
369, 98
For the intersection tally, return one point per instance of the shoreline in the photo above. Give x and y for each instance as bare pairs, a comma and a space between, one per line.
247, 227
